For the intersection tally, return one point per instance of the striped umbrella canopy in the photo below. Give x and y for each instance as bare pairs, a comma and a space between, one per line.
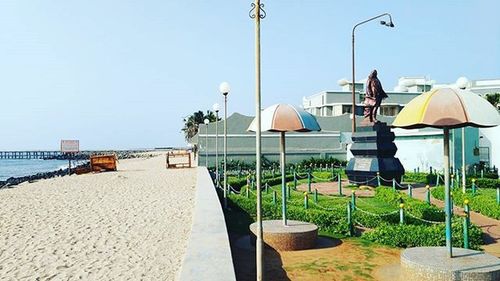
285, 118
447, 108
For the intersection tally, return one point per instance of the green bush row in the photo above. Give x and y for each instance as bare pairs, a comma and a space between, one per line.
485, 182
332, 222
431, 179
386, 228
406, 235
483, 202
322, 161
416, 207
415, 177
372, 221
238, 183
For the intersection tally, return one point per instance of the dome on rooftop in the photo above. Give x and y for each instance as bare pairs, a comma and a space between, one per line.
462, 82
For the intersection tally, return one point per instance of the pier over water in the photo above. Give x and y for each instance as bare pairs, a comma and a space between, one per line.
30, 154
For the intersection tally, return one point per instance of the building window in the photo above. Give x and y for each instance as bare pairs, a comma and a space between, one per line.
389, 110
346, 109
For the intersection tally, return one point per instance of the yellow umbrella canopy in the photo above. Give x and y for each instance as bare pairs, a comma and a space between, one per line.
447, 107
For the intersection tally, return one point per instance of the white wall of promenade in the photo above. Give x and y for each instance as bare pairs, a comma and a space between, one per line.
208, 256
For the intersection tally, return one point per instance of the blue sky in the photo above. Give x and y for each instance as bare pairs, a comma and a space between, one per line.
122, 74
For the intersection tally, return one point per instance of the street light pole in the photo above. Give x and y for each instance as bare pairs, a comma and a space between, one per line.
257, 15
389, 24
206, 121
216, 109
224, 89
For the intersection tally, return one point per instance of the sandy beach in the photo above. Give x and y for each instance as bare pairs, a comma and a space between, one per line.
127, 225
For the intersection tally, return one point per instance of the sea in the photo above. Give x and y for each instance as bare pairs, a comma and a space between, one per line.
25, 167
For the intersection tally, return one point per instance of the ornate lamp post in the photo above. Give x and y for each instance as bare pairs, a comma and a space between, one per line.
224, 89
388, 24
215, 107
206, 121
257, 13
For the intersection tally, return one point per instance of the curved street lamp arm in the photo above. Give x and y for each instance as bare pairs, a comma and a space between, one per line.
353, 66
370, 19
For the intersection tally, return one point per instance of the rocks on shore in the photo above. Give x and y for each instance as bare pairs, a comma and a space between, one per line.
12, 181
120, 154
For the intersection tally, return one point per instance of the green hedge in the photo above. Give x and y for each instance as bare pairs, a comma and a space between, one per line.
483, 202
322, 161
334, 222
431, 179
386, 228
416, 207
415, 177
238, 183
372, 221
418, 235
485, 183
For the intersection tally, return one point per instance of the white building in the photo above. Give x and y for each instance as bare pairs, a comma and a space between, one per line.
335, 103
416, 148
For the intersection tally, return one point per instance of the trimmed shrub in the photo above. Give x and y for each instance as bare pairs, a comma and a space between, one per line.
483, 202
332, 222
322, 161
415, 177
416, 207
238, 183
485, 183
418, 235
332, 218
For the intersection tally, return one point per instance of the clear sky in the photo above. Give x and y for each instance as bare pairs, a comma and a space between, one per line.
123, 74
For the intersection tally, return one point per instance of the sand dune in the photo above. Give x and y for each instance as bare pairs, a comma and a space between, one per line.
127, 225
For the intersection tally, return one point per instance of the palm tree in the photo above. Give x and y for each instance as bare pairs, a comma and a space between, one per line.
192, 122
493, 98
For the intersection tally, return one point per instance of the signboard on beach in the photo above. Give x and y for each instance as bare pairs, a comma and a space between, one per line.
70, 146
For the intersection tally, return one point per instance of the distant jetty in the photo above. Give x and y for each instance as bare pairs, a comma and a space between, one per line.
57, 155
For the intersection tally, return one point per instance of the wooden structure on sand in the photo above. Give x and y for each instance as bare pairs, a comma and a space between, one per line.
178, 159
100, 163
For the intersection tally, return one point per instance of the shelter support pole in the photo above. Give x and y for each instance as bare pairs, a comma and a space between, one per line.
447, 197
283, 180
463, 160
